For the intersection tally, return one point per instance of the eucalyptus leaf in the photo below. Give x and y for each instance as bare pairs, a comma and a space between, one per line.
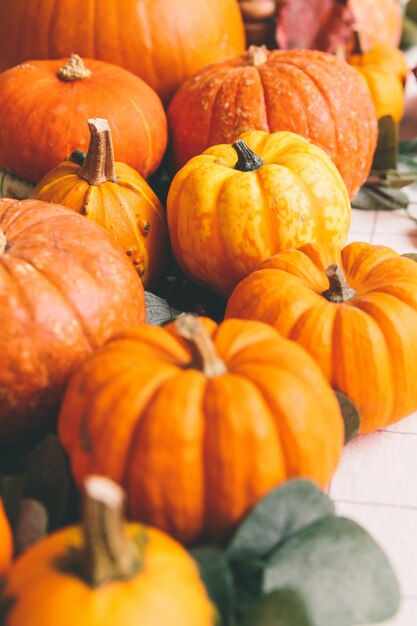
284, 607
409, 33
410, 255
350, 414
158, 311
380, 199
408, 147
392, 179
218, 579
385, 156
342, 575
12, 491
279, 515
31, 525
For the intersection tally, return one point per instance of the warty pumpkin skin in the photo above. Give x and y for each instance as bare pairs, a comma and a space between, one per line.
65, 288
113, 195
6, 541
198, 422
223, 221
45, 104
307, 92
116, 574
162, 41
365, 341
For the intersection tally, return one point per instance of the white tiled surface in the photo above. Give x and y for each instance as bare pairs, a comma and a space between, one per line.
376, 483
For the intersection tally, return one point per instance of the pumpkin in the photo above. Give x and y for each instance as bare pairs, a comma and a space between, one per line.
6, 541
65, 288
307, 92
197, 422
385, 70
162, 42
380, 21
106, 571
229, 209
44, 105
354, 310
115, 196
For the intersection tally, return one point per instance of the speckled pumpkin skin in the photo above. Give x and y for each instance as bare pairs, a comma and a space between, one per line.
304, 91
223, 222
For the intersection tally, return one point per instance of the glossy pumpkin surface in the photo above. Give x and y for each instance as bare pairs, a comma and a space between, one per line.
162, 41
197, 424
365, 346
113, 195
61, 578
307, 92
44, 114
223, 222
65, 288
6, 541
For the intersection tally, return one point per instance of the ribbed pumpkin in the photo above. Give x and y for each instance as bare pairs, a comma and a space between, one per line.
113, 195
354, 310
307, 92
105, 572
6, 541
197, 422
44, 106
235, 205
163, 42
65, 288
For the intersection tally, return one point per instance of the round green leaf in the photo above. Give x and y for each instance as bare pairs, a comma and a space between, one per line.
279, 608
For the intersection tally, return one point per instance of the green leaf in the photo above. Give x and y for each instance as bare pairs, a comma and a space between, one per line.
31, 525
385, 157
279, 515
284, 607
48, 479
380, 198
340, 572
408, 147
409, 33
410, 255
411, 10
350, 414
391, 179
158, 311
218, 579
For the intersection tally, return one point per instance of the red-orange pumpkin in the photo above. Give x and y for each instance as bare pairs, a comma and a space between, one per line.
6, 541
162, 42
307, 92
45, 104
65, 288
362, 333
197, 422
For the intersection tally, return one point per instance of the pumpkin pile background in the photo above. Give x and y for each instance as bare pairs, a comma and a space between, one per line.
209, 155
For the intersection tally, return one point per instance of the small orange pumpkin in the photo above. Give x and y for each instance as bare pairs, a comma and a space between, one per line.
198, 422
105, 571
233, 206
44, 105
354, 310
113, 195
6, 541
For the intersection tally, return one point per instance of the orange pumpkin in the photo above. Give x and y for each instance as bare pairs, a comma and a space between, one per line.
226, 215
6, 541
379, 20
307, 92
354, 310
44, 105
65, 288
162, 42
105, 571
198, 422
113, 195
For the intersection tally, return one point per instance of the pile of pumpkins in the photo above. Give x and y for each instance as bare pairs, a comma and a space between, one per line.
196, 421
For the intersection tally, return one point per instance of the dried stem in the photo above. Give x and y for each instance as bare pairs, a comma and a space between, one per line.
74, 69
339, 290
98, 166
204, 351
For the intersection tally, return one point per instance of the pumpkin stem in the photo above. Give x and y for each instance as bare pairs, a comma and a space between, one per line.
339, 290
108, 553
204, 351
74, 69
98, 166
3, 242
257, 55
358, 47
247, 161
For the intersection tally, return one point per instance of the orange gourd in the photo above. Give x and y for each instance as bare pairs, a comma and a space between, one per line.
380, 21
65, 288
44, 106
307, 92
113, 195
233, 206
197, 422
6, 542
162, 42
354, 310
105, 571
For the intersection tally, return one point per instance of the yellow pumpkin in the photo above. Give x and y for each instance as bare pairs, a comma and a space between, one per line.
235, 205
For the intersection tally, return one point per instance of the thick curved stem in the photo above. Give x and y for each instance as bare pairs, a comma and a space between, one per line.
257, 55
247, 160
98, 166
74, 69
339, 290
205, 357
